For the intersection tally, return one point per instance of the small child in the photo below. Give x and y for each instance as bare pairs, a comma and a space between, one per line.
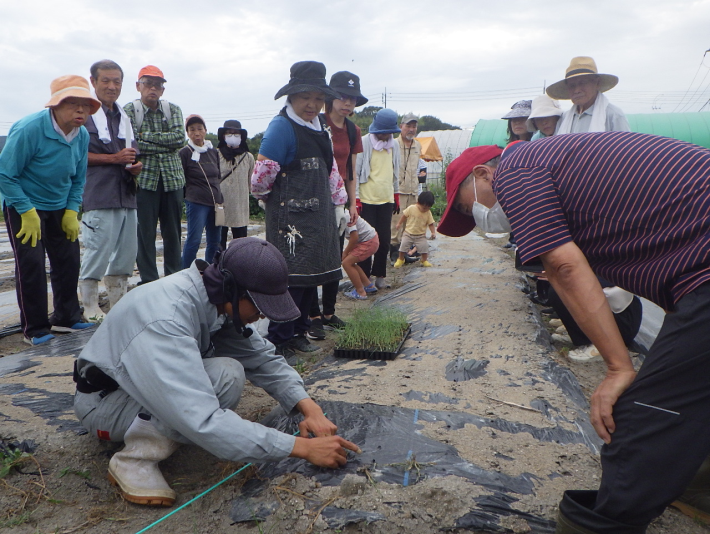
417, 217
363, 242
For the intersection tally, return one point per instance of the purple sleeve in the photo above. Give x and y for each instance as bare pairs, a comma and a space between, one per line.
530, 199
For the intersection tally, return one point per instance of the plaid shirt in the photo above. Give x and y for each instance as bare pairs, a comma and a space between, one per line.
159, 142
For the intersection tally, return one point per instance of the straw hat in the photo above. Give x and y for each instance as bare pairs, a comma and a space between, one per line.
543, 106
581, 66
70, 86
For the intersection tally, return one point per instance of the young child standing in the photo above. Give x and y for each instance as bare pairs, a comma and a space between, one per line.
363, 241
416, 218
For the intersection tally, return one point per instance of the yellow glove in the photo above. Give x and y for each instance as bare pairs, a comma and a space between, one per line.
70, 224
31, 227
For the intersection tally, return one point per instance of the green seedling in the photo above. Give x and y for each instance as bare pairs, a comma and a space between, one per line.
70, 471
374, 328
11, 459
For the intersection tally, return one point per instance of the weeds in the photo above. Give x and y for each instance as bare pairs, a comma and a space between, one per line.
11, 459
373, 328
300, 367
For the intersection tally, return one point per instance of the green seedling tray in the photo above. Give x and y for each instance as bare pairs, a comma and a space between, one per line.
367, 354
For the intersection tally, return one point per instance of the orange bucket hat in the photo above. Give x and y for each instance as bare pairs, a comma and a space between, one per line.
70, 86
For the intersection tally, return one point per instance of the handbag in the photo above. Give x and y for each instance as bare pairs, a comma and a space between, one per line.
219, 217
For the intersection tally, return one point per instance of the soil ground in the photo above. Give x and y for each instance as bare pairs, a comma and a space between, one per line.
469, 306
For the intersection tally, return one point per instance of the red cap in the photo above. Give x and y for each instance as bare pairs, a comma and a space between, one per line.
453, 223
151, 70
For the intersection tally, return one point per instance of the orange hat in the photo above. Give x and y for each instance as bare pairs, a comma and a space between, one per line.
453, 223
151, 70
70, 86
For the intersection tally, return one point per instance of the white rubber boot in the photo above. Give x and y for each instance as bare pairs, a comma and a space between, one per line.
116, 287
135, 468
89, 290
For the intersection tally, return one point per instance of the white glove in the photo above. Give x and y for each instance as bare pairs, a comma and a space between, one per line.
617, 298
341, 219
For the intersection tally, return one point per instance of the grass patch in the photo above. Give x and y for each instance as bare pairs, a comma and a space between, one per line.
11, 459
69, 471
437, 188
374, 328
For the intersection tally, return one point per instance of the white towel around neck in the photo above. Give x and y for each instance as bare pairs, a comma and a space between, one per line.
101, 123
598, 123
313, 125
197, 150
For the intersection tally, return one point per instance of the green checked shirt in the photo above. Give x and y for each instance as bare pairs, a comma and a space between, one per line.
159, 141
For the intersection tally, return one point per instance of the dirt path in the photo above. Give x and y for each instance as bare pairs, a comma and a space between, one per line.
489, 453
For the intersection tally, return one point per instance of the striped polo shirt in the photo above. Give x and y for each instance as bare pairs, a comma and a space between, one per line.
637, 205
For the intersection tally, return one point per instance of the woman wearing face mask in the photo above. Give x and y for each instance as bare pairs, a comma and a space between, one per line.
377, 176
236, 165
297, 178
517, 121
200, 162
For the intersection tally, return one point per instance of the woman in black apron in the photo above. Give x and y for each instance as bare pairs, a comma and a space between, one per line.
304, 197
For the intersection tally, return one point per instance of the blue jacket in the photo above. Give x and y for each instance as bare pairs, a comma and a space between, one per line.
39, 169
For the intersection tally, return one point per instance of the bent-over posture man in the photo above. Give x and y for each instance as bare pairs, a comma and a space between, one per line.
632, 208
168, 365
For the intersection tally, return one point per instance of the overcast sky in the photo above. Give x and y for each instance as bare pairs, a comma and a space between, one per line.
460, 60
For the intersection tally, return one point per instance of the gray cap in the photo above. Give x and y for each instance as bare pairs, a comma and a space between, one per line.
409, 117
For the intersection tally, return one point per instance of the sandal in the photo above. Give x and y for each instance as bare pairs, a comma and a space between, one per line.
370, 289
354, 295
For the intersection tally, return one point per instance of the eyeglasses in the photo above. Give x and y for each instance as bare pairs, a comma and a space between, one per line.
76, 104
346, 98
154, 84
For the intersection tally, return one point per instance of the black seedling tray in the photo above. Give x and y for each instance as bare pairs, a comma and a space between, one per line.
366, 354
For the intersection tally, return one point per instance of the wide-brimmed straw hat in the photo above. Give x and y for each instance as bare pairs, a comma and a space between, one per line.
519, 110
306, 76
581, 66
347, 83
543, 106
71, 86
454, 223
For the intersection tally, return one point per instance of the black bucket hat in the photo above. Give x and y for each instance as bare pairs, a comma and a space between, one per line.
347, 83
306, 76
231, 125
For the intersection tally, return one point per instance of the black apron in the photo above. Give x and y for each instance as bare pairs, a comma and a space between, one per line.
300, 215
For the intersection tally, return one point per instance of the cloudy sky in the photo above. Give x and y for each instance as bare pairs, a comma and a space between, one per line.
460, 60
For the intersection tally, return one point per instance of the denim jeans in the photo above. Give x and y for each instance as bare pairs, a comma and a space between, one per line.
199, 218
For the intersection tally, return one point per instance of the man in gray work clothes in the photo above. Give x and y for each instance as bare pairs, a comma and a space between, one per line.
169, 363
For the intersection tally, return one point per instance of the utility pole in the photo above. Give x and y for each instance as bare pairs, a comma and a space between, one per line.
384, 97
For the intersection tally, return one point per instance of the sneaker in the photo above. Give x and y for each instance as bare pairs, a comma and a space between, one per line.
76, 327
316, 330
300, 343
355, 295
40, 338
560, 338
398, 263
370, 289
285, 350
335, 322
381, 283
426, 264
583, 354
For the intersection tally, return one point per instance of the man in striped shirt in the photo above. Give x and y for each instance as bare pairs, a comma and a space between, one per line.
635, 209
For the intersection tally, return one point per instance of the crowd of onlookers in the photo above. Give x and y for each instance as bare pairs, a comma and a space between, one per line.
128, 169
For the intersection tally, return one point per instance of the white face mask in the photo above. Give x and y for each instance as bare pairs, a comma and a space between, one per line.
233, 140
489, 220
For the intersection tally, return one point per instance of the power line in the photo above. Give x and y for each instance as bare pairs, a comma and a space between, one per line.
695, 76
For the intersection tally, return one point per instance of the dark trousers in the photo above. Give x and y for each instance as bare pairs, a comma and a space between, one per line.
628, 321
662, 427
164, 207
239, 231
31, 275
282, 332
380, 218
330, 293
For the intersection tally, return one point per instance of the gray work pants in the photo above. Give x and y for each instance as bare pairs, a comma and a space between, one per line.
110, 242
108, 416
